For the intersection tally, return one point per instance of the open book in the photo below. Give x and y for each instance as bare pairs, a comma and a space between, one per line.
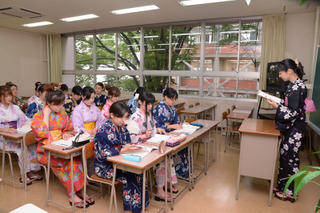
25, 129
83, 137
144, 151
157, 138
187, 129
267, 96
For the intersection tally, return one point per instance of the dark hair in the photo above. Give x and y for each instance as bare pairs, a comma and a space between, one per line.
64, 87
118, 109
37, 85
86, 92
114, 91
100, 84
47, 87
170, 93
5, 90
10, 84
77, 90
55, 97
286, 64
148, 98
139, 90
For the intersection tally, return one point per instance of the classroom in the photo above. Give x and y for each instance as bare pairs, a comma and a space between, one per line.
213, 55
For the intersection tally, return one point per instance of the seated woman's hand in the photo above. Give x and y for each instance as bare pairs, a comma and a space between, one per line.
66, 136
130, 147
161, 131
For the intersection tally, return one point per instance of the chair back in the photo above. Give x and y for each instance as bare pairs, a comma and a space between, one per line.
228, 111
224, 115
179, 110
189, 120
233, 107
30, 139
191, 105
88, 150
197, 104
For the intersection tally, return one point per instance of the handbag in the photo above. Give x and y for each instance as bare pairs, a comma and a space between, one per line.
81, 139
309, 105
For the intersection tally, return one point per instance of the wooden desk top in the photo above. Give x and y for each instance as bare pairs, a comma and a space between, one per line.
243, 110
177, 103
12, 135
145, 162
199, 109
238, 115
59, 149
259, 126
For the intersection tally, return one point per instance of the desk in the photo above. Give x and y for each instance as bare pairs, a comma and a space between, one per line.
243, 110
146, 163
15, 138
198, 110
259, 149
59, 151
179, 104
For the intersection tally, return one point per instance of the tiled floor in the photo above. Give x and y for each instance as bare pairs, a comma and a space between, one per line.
214, 192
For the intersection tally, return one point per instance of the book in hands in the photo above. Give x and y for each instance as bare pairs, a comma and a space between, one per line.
268, 96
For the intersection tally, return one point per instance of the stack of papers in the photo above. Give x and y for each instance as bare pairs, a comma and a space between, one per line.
187, 129
267, 96
64, 142
157, 138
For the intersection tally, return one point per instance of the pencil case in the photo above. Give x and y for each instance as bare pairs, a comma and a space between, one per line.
196, 124
173, 141
134, 158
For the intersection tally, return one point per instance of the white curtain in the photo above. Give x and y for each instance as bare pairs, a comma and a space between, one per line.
273, 44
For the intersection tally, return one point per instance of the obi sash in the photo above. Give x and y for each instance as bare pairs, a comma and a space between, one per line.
56, 134
11, 124
89, 125
99, 107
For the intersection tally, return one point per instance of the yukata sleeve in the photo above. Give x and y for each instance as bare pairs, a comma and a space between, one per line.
77, 120
134, 129
159, 117
40, 129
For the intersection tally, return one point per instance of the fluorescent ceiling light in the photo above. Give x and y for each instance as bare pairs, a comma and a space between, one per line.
79, 18
37, 24
135, 9
248, 2
196, 2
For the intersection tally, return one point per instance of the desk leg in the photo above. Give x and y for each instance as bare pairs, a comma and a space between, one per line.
190, 164
24, 162
72, 185
48, 180
144, 191
166, 183
3, 159
113, 193
238, 184
170, 175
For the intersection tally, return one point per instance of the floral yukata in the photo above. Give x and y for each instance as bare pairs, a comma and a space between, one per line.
137, 126
13, 117
32, 99
291, 121
106, 108
59, 123
164, 114
133, 104
20, 103
107, 143
100, 100
34, 107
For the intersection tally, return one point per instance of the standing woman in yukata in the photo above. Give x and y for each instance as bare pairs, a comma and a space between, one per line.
291, 121
11, 118
113, 94
166, 117
52, 124
86, 116
99, 99
112, 139
141, 127
38, 103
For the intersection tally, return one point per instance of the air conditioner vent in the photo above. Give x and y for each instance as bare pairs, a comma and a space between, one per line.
20, 12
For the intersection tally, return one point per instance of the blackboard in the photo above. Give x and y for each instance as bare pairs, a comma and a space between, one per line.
314, 120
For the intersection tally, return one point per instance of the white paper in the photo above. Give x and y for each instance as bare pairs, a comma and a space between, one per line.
187, 129
24, 129
267, 96
157, 138
64, 142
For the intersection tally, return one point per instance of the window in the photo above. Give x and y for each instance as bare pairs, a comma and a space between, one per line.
227, 67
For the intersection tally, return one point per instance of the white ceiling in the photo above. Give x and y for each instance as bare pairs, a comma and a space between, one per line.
170, 11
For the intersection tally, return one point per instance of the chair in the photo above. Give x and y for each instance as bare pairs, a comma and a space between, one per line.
197, 104
229, 129
191, 105
189, 120
208, 115
233, 107
156, 103
88, 152
228, 111
30, 139
179, 112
